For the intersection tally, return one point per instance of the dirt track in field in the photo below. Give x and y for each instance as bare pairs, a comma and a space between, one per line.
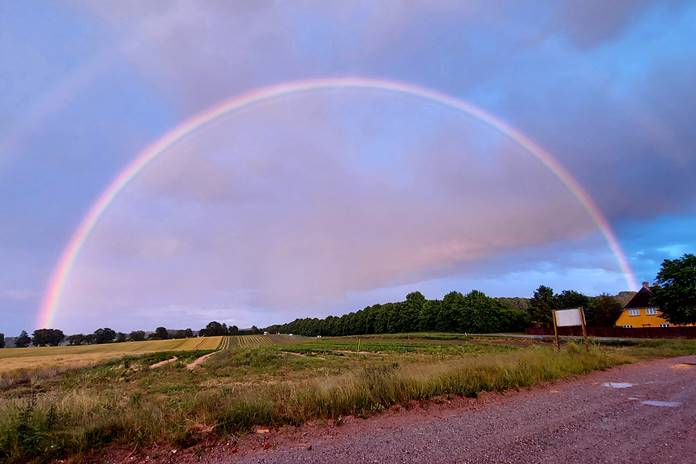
641, 413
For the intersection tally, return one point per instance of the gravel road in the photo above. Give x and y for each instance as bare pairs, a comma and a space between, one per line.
581, 420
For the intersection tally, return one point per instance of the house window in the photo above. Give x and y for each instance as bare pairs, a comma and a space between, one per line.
664, 325
651, 311
634, 312
627, 326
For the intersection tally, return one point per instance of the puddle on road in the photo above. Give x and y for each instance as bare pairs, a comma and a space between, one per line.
617, 384
662, 404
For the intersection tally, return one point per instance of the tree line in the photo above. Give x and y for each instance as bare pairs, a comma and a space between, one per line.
54, 337
474, 312
456, 312
674, 292
215, 328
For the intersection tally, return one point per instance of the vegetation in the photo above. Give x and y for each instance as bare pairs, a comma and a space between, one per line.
160, 334
47, 337
603, 311
54, 337
105, 335
215, 328
675, 290
76, 339
471, 313
474, 312
2, 340
23, 340
279, 380
541, 305
137, 336
187, 333
571, 299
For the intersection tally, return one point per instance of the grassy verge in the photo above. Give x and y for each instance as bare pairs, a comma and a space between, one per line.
124, 402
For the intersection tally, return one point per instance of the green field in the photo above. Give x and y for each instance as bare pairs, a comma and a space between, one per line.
271, 381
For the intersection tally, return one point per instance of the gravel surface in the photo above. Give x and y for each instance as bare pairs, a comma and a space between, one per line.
582, 420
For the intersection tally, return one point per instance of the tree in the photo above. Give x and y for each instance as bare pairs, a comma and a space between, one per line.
410, 312
77, 339
571, 299
105, 335
512, 318
23, 340
480, 314
603, 311
161, 333
136, 336
213, 329
234, 330
120, 337
451, 317
2, 340
428, 317
44, 337
541, 305
675, 289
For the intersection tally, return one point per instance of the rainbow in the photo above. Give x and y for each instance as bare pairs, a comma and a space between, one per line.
67, 259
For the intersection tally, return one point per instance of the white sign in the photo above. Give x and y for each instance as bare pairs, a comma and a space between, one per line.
568, 317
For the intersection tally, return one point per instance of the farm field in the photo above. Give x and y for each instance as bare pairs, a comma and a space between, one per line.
246, 341
275, 380
58, 357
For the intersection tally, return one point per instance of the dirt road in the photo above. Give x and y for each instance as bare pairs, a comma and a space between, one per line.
642, 413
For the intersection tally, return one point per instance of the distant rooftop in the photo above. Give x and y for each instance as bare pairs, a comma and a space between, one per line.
642, 298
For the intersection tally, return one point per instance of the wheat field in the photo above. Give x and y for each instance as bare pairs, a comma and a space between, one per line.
61, 357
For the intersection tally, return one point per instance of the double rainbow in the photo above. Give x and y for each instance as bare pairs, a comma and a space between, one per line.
65, 264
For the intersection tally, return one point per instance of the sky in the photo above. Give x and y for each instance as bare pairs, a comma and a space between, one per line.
326, 201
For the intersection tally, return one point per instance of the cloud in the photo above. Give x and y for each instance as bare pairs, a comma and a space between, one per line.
575, 96
588, 23
293, 206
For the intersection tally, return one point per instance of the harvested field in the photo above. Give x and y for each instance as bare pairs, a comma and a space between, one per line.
63, 357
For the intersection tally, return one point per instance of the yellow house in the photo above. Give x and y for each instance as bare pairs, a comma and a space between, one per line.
639, 313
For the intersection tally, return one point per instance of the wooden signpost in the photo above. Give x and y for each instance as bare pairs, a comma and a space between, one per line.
569, 318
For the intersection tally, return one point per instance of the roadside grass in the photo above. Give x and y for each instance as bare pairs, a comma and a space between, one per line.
124, 402
650, 348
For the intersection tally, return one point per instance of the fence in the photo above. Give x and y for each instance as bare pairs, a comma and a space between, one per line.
619, 332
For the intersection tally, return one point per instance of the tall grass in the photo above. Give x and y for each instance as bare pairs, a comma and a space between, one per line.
56, 422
